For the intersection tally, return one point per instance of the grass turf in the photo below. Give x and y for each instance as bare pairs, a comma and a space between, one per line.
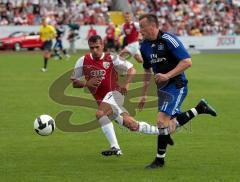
205, 149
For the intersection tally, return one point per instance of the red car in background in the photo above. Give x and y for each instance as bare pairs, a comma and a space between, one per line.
19, 40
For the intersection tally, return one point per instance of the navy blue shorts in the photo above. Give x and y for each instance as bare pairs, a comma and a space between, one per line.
171, 98
47, 45
58, 44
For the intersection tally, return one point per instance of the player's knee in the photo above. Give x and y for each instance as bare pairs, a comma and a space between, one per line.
99, 114
162, 123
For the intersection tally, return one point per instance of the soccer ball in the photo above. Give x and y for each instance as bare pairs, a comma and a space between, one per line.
44, 125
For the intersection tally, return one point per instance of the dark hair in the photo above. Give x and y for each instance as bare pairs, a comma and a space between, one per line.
151, 18
94, 38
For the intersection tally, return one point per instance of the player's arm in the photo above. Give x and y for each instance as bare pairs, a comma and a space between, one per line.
91, 83
124, 67
77, 75
146, 79
180, 68
147, 73
146, 82
78, 80
180, 53
78, 83
130, 74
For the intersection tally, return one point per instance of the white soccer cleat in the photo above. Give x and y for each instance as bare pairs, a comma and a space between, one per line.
44, 70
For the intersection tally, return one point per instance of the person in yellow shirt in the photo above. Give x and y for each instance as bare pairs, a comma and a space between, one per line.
47, 34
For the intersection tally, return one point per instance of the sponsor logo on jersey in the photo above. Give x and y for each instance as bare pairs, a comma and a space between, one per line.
106, 65
160, 47
100, 73
155, 59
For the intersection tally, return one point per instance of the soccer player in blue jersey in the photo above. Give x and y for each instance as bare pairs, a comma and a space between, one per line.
164, 54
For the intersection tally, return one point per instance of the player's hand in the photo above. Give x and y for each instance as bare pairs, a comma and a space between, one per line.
93, 82
159, 77
141, 103
172, 126
124, 89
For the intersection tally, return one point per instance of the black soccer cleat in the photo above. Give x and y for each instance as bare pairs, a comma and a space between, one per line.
112, 151
205, 108
170, 140
157, 163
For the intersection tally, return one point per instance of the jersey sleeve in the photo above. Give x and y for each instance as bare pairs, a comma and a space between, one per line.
146, 64
137, 26
176, 46
78, 70
121, 65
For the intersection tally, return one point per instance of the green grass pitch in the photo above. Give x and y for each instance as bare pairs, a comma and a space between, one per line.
207, 149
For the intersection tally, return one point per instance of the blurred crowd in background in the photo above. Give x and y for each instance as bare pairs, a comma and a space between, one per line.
182, 17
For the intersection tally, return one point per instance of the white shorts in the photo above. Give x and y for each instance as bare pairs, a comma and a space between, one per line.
116, 101
133, 48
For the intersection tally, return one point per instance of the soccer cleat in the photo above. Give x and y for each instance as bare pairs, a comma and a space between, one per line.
157, 163
170, 141
204, 107
44, 69
112, 151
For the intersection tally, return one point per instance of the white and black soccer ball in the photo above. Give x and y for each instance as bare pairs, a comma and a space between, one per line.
44, 125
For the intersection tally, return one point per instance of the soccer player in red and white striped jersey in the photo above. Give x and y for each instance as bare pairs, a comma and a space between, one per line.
131, 31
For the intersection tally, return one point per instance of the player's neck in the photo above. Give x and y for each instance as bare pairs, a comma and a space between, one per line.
155, 34
97, 58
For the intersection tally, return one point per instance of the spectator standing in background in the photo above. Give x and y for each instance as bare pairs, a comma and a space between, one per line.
91, 32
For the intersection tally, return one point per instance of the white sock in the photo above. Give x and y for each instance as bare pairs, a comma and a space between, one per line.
194, 111
161, 156
109, 132
147, 128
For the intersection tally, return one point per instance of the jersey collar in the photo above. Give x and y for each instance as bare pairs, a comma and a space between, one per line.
103, 54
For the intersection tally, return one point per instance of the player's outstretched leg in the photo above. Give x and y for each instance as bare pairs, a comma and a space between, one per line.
202, 108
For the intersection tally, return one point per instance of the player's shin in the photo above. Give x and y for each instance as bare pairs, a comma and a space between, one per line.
108, 130
162, 145
184, 117
147, 128
45, 62
164, 139
143, 127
